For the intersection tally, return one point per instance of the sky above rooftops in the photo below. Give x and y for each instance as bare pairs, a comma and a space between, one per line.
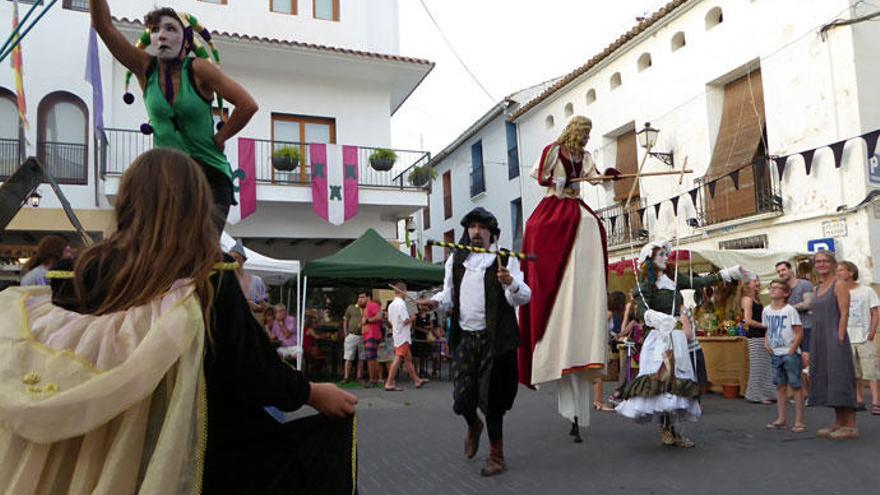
507, 44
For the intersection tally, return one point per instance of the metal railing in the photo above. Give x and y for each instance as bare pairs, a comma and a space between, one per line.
66, 162
478, 182
81, 5
9, 158
620, 228
758, 192
124, 145
397, 177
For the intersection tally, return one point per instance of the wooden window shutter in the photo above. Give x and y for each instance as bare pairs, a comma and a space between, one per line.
628, 163
447, 194
739, 143
448, 236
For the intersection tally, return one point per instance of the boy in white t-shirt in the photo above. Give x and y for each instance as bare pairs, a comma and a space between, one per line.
862, 329
782, 341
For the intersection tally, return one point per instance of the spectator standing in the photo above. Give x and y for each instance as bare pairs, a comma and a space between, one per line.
401, 327
832, 375
371, 330
782, 341
353, 346
50, 250
800, 298
862, 329
760, 387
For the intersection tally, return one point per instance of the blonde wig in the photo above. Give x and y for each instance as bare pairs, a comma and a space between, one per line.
571, 136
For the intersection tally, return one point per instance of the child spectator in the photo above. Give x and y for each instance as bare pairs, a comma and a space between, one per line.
782, 341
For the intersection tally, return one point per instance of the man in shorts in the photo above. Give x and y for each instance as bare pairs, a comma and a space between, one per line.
401, 325
353, 347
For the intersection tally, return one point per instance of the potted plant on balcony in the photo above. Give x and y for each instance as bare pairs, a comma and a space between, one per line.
286, 158
420, 176
383, 159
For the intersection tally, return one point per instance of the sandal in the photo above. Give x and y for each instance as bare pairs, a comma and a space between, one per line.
845, 433
776, 426
393, 389
799, 428
875, 409
827, 431
684, 442
422, 383
601, 407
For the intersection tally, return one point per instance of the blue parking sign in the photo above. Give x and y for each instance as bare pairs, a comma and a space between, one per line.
874, 169
815, 245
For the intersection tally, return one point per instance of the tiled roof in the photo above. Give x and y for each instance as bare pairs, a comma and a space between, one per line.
301, 44
607, 52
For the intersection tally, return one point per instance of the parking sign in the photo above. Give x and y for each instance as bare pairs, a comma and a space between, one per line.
815, 245
874, 169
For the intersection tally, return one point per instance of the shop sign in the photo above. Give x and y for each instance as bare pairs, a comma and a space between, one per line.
834, 228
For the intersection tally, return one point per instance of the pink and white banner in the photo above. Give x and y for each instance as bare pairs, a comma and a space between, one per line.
247, 164
334, 178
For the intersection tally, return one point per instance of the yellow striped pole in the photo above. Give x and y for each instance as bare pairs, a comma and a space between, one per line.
473, 249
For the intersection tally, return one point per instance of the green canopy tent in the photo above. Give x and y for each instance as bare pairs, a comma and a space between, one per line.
369, 260
372, 258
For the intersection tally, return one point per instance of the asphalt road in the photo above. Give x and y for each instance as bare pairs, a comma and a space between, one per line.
411, 443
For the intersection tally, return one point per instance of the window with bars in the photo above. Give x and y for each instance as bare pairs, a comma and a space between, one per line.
81, 5
752, 242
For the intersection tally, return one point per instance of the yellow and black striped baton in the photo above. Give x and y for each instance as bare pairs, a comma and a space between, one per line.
473, 249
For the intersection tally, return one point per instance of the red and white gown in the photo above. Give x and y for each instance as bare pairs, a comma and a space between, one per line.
563, 330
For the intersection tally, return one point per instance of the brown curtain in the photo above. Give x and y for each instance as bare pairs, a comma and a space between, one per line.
740, 142
628, 163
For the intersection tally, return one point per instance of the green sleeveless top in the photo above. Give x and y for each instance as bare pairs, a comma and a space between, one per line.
188, 124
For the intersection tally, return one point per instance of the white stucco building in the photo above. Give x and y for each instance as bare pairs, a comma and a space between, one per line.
729, 83
325, 71
481, 167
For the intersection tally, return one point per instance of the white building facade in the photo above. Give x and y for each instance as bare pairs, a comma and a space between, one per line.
730, 83
322, 71
479, 168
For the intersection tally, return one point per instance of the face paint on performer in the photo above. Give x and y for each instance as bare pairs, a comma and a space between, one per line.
480, 236
660, 259
168, 38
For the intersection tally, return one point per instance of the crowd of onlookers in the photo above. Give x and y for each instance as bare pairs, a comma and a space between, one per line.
810, 334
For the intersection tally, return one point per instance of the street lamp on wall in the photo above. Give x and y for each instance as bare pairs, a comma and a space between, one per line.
34, 199
648, 139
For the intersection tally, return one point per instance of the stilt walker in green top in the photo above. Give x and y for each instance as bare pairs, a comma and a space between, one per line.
178, 90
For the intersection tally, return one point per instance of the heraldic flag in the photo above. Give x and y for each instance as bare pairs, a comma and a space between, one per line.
334, 181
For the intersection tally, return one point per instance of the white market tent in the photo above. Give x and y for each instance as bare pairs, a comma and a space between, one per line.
273, 272
761, 261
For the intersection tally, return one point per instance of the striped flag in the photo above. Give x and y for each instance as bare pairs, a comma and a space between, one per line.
93, 77
334, 182
17, 69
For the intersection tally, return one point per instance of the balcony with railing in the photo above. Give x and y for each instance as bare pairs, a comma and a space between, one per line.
66, 162
9, 157
124, 145
756, 192
624, 228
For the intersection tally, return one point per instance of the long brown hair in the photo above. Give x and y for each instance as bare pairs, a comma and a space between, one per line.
163, 233
49, 251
